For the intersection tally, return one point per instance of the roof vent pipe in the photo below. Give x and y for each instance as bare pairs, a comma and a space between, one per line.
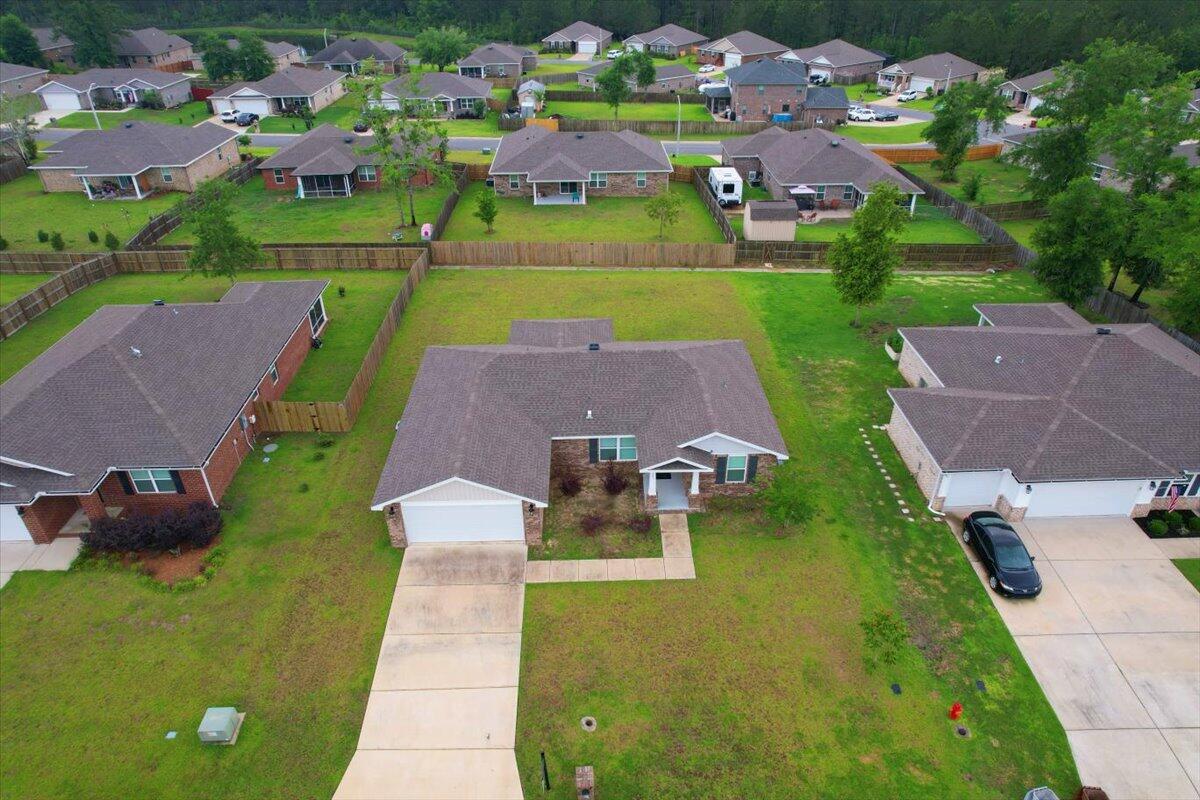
136, 353
160, 302
1103, 331
593, 346
998, 359
589, 413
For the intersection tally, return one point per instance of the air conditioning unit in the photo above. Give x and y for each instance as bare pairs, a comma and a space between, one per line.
253, 418
220, 725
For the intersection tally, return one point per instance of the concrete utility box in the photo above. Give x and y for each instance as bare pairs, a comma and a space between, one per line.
585, 783
220, 725
770, 221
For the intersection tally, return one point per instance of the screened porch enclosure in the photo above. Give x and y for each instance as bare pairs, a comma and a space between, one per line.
327, 185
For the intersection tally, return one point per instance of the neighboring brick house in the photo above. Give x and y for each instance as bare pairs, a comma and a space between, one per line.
564, 168
667, 40
56, 49
284, 54
1038, 413
449, 94
348, 55
326, 162
931, 74
113, 87
143, 408
153, 48
497, 60
1024, 94
761, 89
282, 92
836, 61
815, 168
579, 37
138, 159
668, 78
739, 48
486, 427
18, 79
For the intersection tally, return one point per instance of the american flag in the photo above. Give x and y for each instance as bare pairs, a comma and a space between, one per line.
1174, 495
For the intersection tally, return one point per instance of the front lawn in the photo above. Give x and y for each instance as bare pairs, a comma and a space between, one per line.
564, 535
601, 219
885, 134
928, 225
13, 286
470, 157
1002, 182
692, 112
368, 216
187, 114
342, 113
685, 160
25, 209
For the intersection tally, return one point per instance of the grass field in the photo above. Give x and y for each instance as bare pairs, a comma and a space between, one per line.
556, 68
1021, 230
1190, 567
602, 219
367, 216
343, 113
470, 157
628, 111
187, 114
885, 134
25, 208
747, 682
13, 286
929, 225
686, 160
1002, 183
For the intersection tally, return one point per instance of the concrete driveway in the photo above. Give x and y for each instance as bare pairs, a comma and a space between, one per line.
54, 557
442, 714
1114, 641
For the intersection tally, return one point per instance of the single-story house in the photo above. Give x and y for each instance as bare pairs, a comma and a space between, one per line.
18, 79
497, 60
113, 87
138, 159
739, 48
531, 97
579, 37
929, 74
175, 417
837, 61
284, 53
154, 48
56, 49
452, 95
1193, 107
1105, 172
1038, 413
667, 40
486, 426
287, 89
668, 79
1022, 93
761, 89
326, 162
815, 168
770, 220
348, 55
564, 168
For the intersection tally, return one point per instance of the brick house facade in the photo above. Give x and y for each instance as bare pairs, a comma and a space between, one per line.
752, 102
620, 184
282, 180
154, 179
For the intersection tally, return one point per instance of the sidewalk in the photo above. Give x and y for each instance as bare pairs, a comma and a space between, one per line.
676, 562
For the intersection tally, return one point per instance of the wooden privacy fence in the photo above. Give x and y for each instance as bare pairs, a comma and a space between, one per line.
700, 183
1118, 309
460, 172
22, 263
556, 77
162, 224
478, 172
338, 417
11, 169
922, 155
1020, 209
33, 304
581, 254
681, 173
916, 256
658, 127
283, 256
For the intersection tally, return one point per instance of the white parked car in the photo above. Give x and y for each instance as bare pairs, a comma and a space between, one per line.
707, 68
908, 94
614, 53
861, 115
230, 115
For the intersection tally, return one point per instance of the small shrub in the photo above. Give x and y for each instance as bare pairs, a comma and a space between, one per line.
614, 482
303, 488
197, 525
341, 291
111, 242
318, 456
93, 237
570, 485
896, 342
1193, 524
642, 523
325, 441
56, 241
591, 524
42, 236
1173, 519
3, 243
1156, 528
787, 501
885, 634
972, 185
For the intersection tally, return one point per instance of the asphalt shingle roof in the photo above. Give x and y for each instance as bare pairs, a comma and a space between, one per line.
149, 42
547, 155
1028, 83
290, 81
1031, 315
767, 72
48, 41
88, 403
674, 35
772, 210
748, 43
133, 147
276, 49
350, 51
934, 66
577, 29
439, 84
325, 150
495, 53
826, 97
838, 52
12, 72
109, 77
486, 413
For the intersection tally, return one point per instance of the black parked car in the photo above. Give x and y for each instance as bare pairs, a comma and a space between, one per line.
885, 115
361, 126
1009, 566
245, 119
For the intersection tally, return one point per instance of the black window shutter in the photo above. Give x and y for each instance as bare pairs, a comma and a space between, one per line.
593, 450
126, 485
721, 461
751, 468
178, 482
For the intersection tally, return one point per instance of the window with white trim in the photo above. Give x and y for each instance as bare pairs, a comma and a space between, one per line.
153, 481
366, 172
316, 316
641, 180
847, 193
167, 177
820, 192
618, 448
514, 182
278, 176
1186, 486
274, 373
735, 469
598, 180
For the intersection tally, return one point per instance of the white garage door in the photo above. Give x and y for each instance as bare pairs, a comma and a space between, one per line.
450, 522
732, 60
1083, 498
12, 527
258, 106
587, 47
61, 101
920, 84
972, 488
817, 72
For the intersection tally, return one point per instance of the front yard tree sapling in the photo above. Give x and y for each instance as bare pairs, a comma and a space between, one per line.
865, 260
486, 209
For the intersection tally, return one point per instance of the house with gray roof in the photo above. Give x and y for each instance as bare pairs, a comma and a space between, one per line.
137, 159
579, 37
739, 48
1038, 413
18, 79
486, 426
282, 92
113, 87
836, 61
498, 60
451, 95
931, 74
667, 40
348, 55
155, 49
760, 90
668, 78
564, 168
149, 407
1023, 93
814, 167
58, 49
283, 53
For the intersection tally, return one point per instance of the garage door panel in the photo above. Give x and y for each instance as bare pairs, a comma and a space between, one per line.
12, 527
463, 522
61, 101
921, 84
1083, 498
972, 488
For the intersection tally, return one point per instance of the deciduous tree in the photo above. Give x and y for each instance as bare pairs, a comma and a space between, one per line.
486, 208
865, 260
220, 60
18, 42
956, 121
254, 62
664, 208
94, 26
441, 46
220, 248
1086, 225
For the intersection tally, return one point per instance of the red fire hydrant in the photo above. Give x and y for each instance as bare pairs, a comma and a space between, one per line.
956, 711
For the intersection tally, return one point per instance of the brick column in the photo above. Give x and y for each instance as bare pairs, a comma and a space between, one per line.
533, 517
93, 506
395, 524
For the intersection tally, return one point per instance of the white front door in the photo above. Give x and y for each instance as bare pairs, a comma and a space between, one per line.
12, 527
463, 522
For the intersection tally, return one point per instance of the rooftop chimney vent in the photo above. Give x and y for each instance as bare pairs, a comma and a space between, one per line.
160, 302
589, 414
999, 359
128, 124
593, 346
579, 136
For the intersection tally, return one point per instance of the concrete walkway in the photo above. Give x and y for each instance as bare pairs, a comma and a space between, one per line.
56, 556
1114, 641
441, 717
675, 564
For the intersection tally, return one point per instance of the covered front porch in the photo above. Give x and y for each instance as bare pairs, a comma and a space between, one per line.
672, 489
114, 187
559, 193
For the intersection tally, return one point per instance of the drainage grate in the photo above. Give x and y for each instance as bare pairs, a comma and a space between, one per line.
588, 724
962, 731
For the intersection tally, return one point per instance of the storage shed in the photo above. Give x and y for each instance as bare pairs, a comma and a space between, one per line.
770, 220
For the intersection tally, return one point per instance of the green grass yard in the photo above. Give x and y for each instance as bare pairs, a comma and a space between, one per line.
692, 112
556, 68
25, 208
885, 134
368, 216
1190, 567
602, 219
13, 286
928, 225
187, 114
1002, 182
343, 113
747, 682
1021, 230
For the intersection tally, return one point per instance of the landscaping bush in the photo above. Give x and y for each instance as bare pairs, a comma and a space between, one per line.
111, 242
93, 237
1156, 528
56, 241
42, 236
197, 525
1193, 524
972, 186
591, 524
642, 523
1173, 519
896, 342
787, 501
885, 634
3, 243
570, 485
614, 482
